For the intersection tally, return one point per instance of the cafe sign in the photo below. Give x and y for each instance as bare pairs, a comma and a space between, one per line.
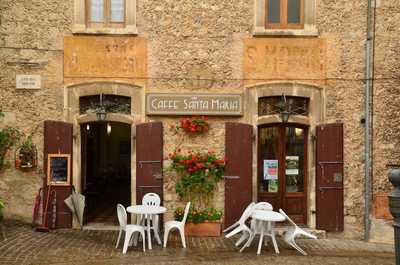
194, 104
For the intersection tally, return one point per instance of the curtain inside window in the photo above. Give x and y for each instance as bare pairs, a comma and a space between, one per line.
97, 10
117, 10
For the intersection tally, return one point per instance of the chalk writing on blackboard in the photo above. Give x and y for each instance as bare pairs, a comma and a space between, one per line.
58, 170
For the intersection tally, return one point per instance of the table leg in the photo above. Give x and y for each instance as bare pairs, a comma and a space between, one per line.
261, 240
148, 218
273, 238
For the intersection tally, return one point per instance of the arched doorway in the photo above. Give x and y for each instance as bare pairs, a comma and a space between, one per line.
106, 169
282, 168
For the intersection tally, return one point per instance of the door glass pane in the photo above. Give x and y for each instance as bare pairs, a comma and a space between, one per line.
293, 12
97, 10
117, 10
294, 161
268, 143
274, 11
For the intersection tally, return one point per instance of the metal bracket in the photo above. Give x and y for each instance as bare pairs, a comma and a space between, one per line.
148, 162
148, 187
231, 177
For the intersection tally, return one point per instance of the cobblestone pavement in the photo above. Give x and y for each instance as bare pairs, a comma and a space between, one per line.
24, 246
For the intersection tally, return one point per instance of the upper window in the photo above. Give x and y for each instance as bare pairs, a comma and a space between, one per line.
105, 16
284, 14
285, 17
105, 13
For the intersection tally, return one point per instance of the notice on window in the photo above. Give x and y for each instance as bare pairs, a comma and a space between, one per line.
292, 165
270, 169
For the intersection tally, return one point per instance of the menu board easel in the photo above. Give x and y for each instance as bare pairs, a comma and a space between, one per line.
59, 170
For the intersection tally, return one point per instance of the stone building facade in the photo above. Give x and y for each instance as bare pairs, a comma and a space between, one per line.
213, 47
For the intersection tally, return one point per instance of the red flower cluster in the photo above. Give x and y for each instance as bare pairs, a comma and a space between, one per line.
194, 125
194, 162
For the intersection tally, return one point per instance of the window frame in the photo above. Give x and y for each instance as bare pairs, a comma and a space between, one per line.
82, 24
284, 17
107, 23
308, 29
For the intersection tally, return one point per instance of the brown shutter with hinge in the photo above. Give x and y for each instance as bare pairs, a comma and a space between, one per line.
149, 159
58, 140
329, 182
238, 173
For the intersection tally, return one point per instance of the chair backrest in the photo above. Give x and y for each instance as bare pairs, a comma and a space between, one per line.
246, 213
263, 206
185, 215
151, 199
287, 217
122, 216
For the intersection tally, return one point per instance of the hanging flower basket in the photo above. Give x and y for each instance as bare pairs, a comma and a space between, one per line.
192, 126
26, 155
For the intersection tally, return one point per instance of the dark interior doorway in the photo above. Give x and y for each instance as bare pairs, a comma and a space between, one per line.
106, 169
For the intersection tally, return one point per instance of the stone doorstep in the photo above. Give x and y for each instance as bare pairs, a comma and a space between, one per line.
320, 234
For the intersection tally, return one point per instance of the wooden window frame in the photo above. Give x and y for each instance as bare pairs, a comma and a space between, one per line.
107, 23
283, 17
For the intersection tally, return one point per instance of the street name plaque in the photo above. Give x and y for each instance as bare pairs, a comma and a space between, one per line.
194, 104
28, 81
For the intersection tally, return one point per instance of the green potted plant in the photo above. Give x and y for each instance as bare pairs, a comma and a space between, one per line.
27, 154
8, 137
198, 175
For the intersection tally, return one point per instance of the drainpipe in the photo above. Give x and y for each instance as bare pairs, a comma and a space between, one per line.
368, 95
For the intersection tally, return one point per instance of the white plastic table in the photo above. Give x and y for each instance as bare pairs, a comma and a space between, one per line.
147, 210
270, 217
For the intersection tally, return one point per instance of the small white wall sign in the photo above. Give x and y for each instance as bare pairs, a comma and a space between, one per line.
28, 81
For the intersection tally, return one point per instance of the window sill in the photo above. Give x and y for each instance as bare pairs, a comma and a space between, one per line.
82, 29
306, 32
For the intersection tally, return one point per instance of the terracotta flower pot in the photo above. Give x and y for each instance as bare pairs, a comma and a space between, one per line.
207, 228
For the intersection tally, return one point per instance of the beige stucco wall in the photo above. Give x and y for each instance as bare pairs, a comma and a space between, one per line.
191, 39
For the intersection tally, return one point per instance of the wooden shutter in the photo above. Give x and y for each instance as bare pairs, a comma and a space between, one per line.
149, 159
238, 173
58, 140
329, 182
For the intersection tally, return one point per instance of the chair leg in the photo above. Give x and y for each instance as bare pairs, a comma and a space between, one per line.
166, 232
119, 237
182, 232
234, 232
143, 233
128, 235
155, 225
299, 249
248, 242
241, 239
230, 227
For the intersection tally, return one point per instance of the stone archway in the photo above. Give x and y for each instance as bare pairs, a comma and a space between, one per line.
73, 92
316, 96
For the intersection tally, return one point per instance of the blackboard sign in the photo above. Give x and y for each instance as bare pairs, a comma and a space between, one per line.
58, 170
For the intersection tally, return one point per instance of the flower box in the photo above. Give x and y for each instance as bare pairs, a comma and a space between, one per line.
207, 228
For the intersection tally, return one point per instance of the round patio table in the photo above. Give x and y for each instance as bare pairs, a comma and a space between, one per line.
148, 211
269, 217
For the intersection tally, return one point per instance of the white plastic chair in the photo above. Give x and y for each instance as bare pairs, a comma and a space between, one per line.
154, 200
128, 229
266, 206
237, 222
180, 225
292, 232
242, 227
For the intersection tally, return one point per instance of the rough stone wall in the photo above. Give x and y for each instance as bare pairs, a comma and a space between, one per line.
30, 31
189, 39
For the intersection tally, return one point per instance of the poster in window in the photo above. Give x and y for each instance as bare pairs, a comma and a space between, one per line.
270, 169
273, 186
59, 170
292, 165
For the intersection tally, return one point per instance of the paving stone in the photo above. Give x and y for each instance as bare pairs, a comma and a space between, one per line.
23, 246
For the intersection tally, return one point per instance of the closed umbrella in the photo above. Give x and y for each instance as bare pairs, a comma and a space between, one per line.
76, 203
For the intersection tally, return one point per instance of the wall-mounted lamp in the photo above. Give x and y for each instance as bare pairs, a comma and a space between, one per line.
101, 111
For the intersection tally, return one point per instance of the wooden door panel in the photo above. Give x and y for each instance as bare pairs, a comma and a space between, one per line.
149, 159
329, 182
238, 150
58, 140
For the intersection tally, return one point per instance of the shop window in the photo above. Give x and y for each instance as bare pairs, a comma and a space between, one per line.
105, 16
285, 17
270, 105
